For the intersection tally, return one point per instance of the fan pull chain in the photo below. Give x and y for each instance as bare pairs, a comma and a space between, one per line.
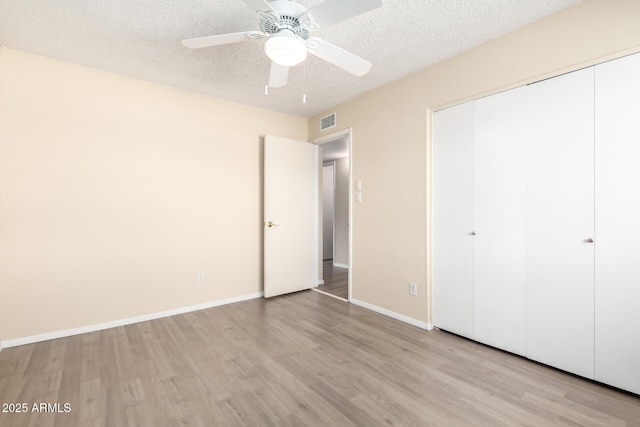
304, 79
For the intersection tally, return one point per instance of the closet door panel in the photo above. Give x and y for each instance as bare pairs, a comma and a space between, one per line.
500, 220
453, 219
560, 220
617, 301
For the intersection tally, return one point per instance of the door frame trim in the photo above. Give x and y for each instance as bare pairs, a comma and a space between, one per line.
317, 256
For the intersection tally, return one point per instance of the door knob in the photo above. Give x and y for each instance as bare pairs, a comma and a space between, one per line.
271, 224
473, 233
590, 240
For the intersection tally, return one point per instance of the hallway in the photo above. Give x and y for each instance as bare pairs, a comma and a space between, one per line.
336, 280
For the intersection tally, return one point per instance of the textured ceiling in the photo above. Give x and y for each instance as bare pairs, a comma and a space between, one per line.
141, 39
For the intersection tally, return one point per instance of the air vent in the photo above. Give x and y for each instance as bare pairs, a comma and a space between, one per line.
328, 121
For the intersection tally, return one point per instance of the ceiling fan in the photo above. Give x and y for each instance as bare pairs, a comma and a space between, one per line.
287, 27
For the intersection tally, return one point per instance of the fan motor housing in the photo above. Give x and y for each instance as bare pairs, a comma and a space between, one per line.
288, 18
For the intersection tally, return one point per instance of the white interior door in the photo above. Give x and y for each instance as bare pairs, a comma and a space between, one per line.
617, 355
288, 215
500, 220
453, 219
560, 222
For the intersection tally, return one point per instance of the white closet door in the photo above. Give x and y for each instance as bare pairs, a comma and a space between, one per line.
500, 220
560, 220
617, 304
453, 219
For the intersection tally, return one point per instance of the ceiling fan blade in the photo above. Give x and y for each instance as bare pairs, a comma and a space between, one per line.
219, 39
338, 57
278, 75
259, 5
332, 11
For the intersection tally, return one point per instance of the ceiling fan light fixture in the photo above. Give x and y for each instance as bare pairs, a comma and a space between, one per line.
286, 49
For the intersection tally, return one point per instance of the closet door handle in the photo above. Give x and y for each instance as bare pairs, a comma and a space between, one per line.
590, 240
473, 233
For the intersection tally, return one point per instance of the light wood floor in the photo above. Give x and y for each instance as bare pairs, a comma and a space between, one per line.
336, 280
304, 359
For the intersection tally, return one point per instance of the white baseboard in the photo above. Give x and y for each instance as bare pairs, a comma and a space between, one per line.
320, 282
122, 322
401, 317
337, 264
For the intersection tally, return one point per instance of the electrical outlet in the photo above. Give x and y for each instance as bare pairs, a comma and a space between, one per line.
413, 289
200, 279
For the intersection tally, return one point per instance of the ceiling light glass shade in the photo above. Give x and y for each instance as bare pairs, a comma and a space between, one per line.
286, 49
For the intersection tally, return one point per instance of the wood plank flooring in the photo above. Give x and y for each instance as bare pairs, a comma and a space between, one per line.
304, 359
336, 280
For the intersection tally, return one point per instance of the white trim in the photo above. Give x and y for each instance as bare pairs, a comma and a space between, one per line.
122, 322
320, 282
350, 237
428, 294
316, 272
337, 264
332, 137
348, 132
401, 317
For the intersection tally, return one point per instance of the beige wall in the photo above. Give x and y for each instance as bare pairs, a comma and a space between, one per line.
115, 193
390, 145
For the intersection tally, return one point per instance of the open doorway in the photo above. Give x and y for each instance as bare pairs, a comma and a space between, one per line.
334, 215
